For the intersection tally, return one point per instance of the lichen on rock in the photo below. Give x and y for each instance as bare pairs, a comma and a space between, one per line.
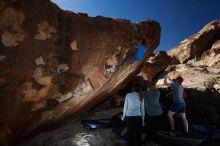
12, 20
45, 31
39, 61
73, 45
59, 55
62, 68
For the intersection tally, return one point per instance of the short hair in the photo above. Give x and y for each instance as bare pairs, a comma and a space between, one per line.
137, 87
179, 79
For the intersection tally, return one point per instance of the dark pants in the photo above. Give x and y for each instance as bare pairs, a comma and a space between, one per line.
134, 130
154, 124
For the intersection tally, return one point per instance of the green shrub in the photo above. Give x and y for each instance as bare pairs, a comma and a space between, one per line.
211, 82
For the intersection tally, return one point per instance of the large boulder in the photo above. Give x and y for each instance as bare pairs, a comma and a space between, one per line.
198, 57
197, 44
197, 60
55, 64
155, 65
211, 57
199, 73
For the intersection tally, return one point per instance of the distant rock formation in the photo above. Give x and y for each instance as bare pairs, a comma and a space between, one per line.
199, 57
194, 46
56, 63
197, 60
155, 65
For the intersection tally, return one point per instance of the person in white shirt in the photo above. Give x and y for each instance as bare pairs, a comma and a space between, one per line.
133, 114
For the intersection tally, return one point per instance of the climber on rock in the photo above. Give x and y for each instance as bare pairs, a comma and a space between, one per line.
179, 104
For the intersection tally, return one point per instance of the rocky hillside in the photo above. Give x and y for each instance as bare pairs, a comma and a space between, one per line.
56, 63
197, 60
199, 57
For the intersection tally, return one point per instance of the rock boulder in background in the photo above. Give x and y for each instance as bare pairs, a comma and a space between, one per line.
194, 46
56, 63
196, 59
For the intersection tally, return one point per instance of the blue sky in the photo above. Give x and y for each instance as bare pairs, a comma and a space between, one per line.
178, 18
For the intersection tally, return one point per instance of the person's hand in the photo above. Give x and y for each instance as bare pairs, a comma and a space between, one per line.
122, 118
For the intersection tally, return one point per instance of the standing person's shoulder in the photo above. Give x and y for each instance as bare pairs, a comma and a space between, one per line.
130, 94
181, 86
173, 85
146, 92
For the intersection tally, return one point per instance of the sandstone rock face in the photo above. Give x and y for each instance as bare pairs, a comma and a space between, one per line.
57, 63
198, 58
195, 77
195, 45
199, 72
72, 133
155, 65
211, 58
